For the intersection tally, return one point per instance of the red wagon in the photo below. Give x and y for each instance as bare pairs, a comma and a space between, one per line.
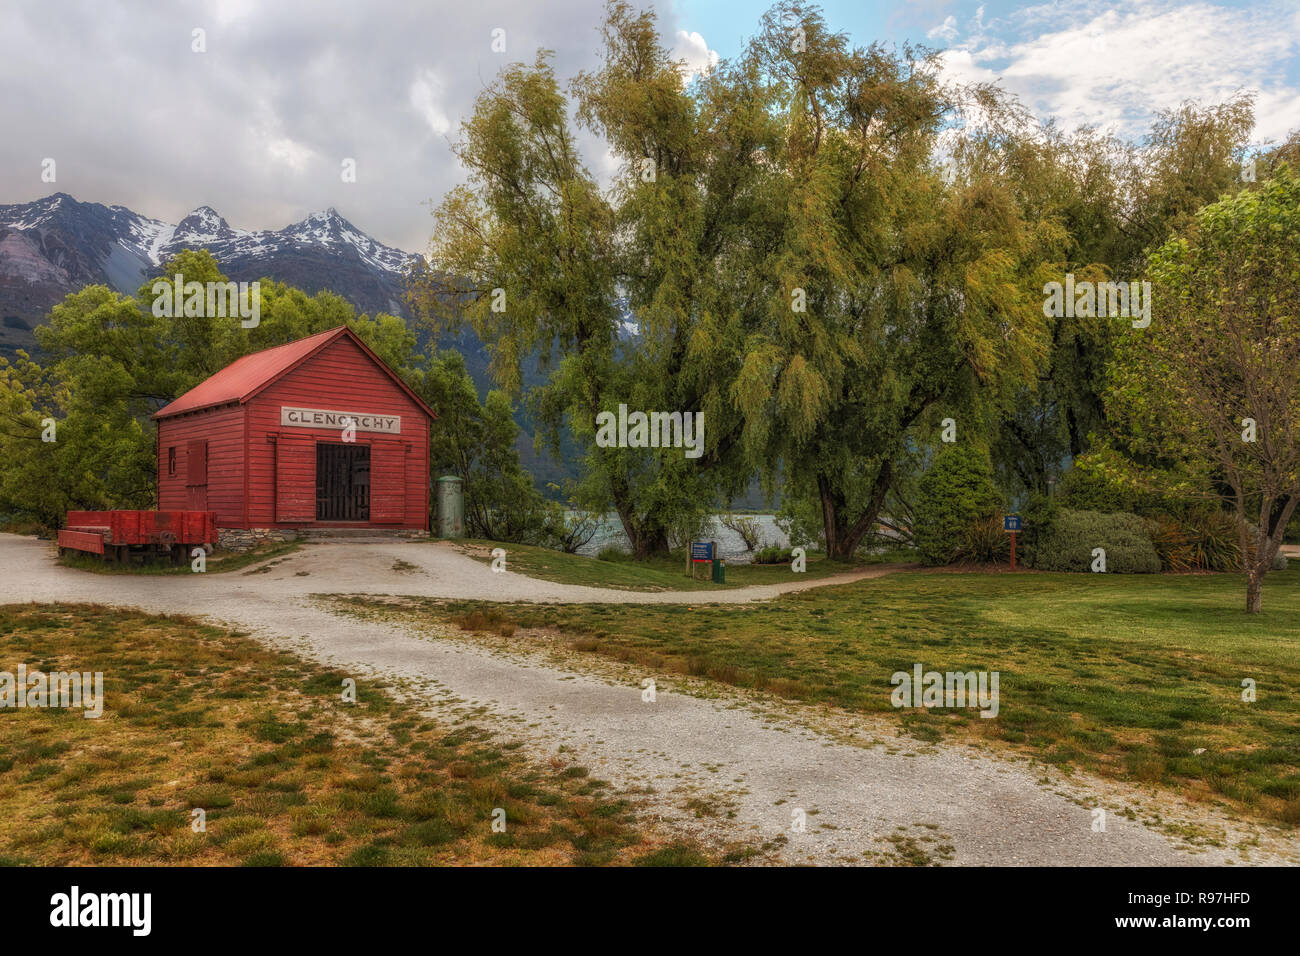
116, 535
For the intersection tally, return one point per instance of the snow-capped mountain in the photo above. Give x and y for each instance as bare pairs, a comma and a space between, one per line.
56, 245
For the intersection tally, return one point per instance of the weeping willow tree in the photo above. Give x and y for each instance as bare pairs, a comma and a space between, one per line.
794, 264
900, 295
540, 259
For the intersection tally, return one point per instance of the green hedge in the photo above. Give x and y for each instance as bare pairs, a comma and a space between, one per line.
955, 495
1068, 543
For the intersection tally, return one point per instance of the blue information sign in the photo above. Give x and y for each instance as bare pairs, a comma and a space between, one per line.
1011, 523
701, 550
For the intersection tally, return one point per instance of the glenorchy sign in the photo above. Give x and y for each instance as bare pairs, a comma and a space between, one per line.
324, 418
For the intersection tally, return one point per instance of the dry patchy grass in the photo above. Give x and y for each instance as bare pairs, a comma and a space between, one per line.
286, 772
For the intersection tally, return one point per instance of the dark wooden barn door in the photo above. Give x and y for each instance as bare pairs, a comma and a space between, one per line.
342, 482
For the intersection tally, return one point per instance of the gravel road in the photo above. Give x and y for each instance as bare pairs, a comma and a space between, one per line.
721, 768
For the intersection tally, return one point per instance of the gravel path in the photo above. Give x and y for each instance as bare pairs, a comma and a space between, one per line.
721, 768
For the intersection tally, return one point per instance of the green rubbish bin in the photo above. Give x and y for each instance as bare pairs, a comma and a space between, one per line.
719, 571
451, 507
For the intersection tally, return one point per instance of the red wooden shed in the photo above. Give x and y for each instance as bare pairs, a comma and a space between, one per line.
319, 432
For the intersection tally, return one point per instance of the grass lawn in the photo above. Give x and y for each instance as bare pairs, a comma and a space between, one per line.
216, 563
1126, 675
287, 773
655, 574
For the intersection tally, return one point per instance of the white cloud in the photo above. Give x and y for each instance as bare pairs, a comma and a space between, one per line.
946, 31
692, 48
1112, 65
229, 11
269, 139
425, 97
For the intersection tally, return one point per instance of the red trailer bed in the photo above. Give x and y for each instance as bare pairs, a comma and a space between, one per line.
114, 534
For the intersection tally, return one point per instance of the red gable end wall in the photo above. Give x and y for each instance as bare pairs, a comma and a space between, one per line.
281, 460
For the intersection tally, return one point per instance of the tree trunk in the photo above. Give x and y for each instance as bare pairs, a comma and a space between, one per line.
1254, 591
830, 515
1272, 526
645, 541
650, 543
842, 538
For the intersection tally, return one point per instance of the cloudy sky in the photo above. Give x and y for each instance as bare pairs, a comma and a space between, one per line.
258, 125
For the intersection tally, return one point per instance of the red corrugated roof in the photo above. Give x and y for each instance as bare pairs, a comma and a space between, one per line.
245, 377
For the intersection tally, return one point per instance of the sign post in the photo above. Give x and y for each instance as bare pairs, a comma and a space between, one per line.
702, 552
1011, 523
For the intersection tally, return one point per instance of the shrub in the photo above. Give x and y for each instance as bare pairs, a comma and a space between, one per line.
568, 530
1203, 539
1174, 542
985, 541
800, 520
1214, 540
1037, 518
1069, 543
955, 494
773, 555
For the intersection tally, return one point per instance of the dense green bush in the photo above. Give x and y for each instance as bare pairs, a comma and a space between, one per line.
953, 496
1068, 543
1102, 481
1037, 516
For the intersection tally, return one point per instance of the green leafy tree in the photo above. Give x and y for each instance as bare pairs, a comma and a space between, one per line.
797, 269
899, 296
477, 442
1210, 390
1110, 201
98, 400
537, 258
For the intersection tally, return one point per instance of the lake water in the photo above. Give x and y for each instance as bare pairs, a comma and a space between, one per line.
731, 548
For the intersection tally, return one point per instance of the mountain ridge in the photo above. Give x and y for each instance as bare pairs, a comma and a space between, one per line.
55, 245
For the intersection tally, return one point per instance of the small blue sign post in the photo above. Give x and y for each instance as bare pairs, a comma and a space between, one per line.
1011, 523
